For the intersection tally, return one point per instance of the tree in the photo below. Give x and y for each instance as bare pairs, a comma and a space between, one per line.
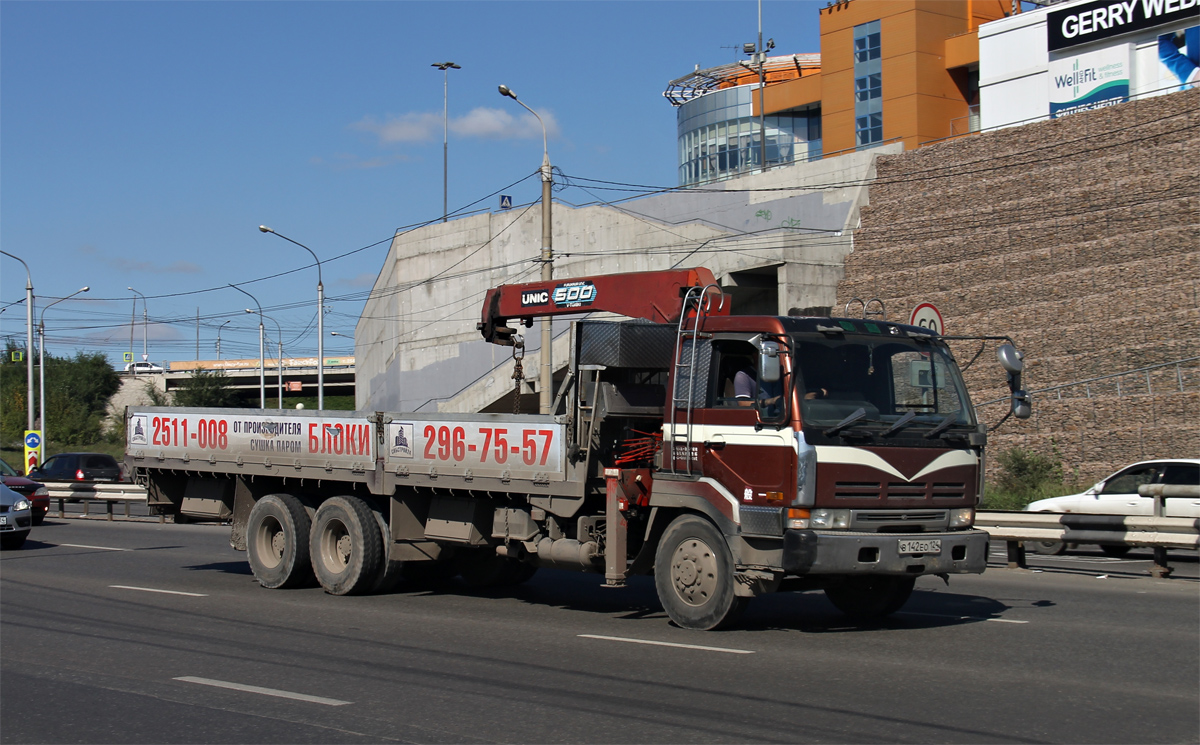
207, 388
77, 394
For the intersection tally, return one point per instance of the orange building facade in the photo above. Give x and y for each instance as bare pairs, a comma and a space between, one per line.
888, 71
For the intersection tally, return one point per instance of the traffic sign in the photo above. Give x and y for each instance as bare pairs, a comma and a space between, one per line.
33, 449
927, 316
505, 202
128, 356
33, 438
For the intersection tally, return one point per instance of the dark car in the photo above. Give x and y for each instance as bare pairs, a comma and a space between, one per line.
78, 467
36, 493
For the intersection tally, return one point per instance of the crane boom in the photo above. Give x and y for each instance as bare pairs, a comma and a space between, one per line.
655, 296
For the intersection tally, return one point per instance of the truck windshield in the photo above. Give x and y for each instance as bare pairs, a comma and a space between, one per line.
891, 379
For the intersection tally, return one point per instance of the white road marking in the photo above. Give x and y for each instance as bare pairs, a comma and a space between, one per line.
667, 644
165, 592
961, 618
264, 691
98, 548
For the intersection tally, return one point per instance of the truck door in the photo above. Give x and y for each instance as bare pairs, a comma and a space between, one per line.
755, 463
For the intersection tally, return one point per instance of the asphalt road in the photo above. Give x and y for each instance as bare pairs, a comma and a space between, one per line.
133, 632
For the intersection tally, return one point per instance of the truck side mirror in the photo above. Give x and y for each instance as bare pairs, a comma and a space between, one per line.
768, 362
1013, 363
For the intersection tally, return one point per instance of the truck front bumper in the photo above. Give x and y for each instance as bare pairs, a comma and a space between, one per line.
842, 552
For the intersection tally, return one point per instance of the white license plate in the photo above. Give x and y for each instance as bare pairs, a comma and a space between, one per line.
930, 546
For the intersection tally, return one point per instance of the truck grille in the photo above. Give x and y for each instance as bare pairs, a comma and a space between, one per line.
899, 521
899, 490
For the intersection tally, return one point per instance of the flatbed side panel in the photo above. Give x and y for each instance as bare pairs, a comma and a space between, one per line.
251, 437
507, 447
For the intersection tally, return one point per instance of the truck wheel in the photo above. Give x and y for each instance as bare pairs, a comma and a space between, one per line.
277, 542
390, 571
693, 573
864, 598
1048, 548
346, 548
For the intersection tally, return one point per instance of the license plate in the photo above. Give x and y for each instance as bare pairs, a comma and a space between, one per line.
929, 546
3, 519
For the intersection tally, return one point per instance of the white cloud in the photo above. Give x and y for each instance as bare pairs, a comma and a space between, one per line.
482, 122
366, 279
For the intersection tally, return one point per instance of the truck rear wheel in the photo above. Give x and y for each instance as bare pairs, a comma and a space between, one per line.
346, 546
277, 542
693, 573
869, 597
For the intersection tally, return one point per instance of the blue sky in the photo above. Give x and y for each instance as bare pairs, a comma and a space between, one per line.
142, 143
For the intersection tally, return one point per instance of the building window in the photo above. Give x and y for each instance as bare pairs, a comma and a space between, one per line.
868, 87
868, 129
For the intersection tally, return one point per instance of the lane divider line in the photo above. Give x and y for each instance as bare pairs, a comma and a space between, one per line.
164, 592
667, 644
264, 691
98, 548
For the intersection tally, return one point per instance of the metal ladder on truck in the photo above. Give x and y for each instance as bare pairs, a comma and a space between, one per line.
683, 395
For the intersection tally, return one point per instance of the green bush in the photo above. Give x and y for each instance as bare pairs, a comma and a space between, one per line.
1023, 476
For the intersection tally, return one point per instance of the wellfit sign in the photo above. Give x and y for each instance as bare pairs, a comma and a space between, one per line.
1089, 81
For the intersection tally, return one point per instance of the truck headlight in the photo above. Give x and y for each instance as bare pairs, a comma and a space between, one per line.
823, 519
962, 517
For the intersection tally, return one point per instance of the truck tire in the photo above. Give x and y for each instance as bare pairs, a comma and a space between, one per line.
346, 547
693, 573
864, 598
277, 542
390, 571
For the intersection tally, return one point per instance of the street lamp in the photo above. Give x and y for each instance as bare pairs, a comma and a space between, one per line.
262, 375
28, 344
320, 317
445, 67
279, 331
145, 310
545, 382
42, 367
223, 325
759, 54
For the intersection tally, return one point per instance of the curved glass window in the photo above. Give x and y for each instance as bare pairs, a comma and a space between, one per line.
719, 137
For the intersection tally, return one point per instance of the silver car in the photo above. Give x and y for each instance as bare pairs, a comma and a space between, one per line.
16, 518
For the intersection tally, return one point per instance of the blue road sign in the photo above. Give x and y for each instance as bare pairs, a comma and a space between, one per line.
505, 202
33, 440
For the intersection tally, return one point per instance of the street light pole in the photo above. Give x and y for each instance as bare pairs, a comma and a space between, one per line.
546, 380
445, 67
262, 375
320, 317
145, 334
278, 331
223, 325
28, 343
42, 368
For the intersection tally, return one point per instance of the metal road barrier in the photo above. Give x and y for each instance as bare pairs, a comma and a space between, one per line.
1160, 533
108, 493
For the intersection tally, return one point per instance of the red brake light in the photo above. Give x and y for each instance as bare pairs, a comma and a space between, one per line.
79, 475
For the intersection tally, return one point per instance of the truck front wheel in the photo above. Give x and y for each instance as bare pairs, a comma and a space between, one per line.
863, 598
277, 542
693, 573
346, 546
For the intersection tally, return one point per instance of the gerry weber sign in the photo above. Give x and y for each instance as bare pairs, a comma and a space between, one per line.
1080, 24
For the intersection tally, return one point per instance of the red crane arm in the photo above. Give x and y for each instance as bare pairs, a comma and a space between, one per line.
655, 296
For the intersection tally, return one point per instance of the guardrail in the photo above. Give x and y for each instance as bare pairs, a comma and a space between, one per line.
1155, 531
109, 493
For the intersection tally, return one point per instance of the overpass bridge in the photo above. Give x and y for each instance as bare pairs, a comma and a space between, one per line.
299, 378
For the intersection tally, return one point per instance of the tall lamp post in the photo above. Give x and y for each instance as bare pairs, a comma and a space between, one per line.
42, 366
278, 331
759, 55
28, 343
262, 375
145, 310
223, 325
320, 317
546, 380
445, 67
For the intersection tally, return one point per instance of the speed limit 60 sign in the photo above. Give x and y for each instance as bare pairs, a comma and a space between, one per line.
927, 316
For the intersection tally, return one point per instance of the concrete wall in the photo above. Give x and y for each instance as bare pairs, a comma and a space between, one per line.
776, 239
1080, 238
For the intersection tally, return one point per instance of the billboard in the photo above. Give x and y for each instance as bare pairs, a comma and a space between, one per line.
1088, 81
1179, 58
1103, 19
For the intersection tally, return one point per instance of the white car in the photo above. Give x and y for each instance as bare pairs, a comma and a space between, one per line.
143, 367
1118, 495
15, 519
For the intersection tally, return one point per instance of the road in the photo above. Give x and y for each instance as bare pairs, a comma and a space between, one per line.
135, 631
